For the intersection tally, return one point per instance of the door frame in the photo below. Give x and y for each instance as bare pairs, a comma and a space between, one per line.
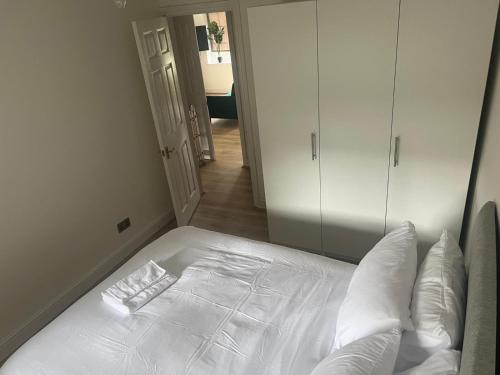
242, 75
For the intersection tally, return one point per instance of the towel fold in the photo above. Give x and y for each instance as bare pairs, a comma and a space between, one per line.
134, 291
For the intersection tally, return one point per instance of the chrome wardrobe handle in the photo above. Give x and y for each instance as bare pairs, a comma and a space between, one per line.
397, 141
313, 146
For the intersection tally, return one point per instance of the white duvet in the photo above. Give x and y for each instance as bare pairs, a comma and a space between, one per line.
239, 307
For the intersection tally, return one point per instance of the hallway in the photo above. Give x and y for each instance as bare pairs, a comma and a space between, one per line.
227, 203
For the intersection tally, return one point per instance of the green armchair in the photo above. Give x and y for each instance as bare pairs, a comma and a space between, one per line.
223, 106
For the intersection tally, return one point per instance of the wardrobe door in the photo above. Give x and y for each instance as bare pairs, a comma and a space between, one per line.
443, 58
357, 51
284, 63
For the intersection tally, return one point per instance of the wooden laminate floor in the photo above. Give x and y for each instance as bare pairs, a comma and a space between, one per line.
227, 202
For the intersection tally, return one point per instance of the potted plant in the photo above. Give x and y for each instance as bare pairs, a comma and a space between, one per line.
216, 34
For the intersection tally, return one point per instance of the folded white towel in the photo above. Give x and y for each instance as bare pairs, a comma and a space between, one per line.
134, 291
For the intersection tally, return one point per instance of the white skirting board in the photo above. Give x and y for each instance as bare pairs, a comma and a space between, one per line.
58, 304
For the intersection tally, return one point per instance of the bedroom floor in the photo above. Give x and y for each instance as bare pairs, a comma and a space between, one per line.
227, 203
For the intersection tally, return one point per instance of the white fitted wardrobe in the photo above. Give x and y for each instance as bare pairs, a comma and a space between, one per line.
367, 114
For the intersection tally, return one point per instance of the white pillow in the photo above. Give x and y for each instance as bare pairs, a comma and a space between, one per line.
438, 305
378, 297
444, 362
372, 355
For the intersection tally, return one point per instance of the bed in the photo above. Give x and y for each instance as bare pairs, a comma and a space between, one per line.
294, 299
260, 309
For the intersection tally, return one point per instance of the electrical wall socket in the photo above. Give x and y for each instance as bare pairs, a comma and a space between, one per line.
122, 225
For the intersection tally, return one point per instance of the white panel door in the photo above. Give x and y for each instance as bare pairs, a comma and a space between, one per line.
284, 63
158, 66
357, 51
193, 77
443, 58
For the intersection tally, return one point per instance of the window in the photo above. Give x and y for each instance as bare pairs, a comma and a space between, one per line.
220, 18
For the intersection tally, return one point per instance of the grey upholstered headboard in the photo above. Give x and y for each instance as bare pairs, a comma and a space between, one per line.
479, 347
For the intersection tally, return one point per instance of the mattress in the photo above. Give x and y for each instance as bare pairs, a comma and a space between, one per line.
239, 307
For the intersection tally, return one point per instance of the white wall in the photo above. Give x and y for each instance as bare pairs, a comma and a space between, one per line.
218, 78
78, 151
486, 173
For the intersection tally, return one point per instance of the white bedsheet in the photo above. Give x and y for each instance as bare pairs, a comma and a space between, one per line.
239, 307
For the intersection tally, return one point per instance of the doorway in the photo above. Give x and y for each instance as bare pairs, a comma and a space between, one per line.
208, 69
